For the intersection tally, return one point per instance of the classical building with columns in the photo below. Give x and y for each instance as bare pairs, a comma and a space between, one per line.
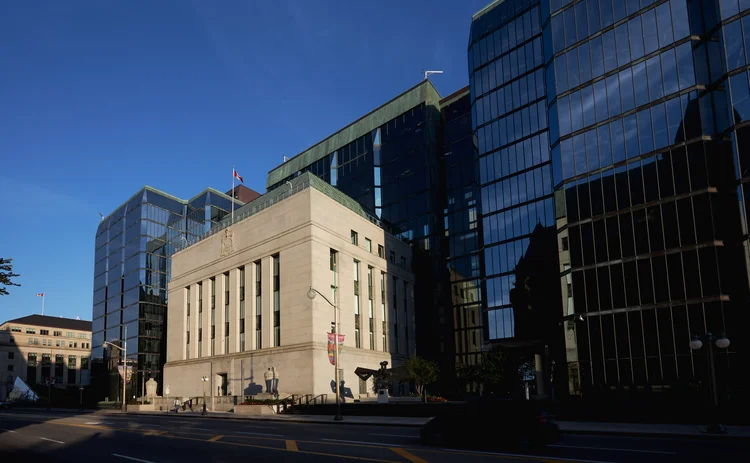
239, 311
38, 347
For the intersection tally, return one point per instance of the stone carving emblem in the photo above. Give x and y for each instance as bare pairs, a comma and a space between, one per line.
227, 244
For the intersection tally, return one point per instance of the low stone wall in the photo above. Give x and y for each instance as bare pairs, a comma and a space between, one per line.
141, 408
255, 409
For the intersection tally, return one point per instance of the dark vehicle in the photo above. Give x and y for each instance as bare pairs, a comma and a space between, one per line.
491, 424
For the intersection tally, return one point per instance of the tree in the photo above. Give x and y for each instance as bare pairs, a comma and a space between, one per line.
6, 273
421, 372
489, 371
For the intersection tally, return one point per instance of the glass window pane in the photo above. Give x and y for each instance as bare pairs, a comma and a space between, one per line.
651, 39
641, 84
566, 155
664, 23
636, 38
570, 26
561, 73
592, 150
584, 62
680, 22
572, 57
606, 12
623, 46
626, 90
732, 36
685, 66
674, 120
581, 21
558, 33
645, 137
564, 115
587, 98
631, 136
613, 95
605, 149
597, 57
610, 51
579, 147
618, 140
655, 88
576, 111
600, 100
593, 9
740, 97
661, 136
728, 8
669, 71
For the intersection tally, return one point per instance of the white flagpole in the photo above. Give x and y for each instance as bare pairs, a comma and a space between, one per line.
232, 195
42, 303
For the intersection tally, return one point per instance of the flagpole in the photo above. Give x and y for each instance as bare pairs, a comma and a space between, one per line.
42, 303
232, 195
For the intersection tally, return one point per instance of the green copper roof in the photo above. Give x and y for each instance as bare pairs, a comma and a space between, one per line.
424, 92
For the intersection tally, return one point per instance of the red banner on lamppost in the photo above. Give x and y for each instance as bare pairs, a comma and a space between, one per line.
332, 348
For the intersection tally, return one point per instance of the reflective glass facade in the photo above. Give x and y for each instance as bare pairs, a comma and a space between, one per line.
131, 272
642, 148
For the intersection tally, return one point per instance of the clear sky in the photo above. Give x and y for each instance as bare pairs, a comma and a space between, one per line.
101, 97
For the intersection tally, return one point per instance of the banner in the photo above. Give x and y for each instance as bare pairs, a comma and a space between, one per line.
332, 348
129, 372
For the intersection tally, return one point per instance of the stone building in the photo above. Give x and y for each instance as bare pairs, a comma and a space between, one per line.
239, 311
38, 347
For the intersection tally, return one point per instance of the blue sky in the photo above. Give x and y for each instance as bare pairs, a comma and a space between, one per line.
100, 98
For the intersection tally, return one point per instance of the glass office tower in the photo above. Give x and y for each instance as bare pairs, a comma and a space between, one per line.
411, 163
651, 239
131, 272
509, 113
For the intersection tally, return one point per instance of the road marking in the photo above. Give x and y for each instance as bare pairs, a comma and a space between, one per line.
395, 435
215, 438
51, 440
514, 455
615, 450
260, 434
198, 429
8, 430
131, 458
291, 446
359, 442
409, 456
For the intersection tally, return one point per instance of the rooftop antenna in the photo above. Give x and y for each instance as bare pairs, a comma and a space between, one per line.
429, 73
101, 215
285, 158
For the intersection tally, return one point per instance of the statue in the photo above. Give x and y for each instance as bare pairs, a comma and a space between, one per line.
227, 244
151, 386
381, 377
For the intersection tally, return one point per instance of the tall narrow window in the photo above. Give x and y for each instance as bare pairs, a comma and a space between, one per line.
371, 325
276, 303
213, 316
200, 320
333, 258
382, 311
368, 245
395, 313
355, 238
242, 309
357, 337
369, 282
258, 307
406, 318
226, 313
187, 334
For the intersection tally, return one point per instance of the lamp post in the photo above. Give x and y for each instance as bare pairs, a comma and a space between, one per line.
311, 293
722, 342
124, 350
204, 380
80, 400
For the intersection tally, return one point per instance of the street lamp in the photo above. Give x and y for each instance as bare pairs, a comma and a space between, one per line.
722, 342
311, 293
204, 380
124, 350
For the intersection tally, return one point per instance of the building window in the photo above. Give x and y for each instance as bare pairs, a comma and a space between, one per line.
381, 251
213, 316
11, 355
187, 335
564, 243
70, 334
382, 311
15, 329
84, 363
276, 302
44, 332
226, 313
334, 258
30, 331
57, 333
371, 324
355, 238
258, 306
368, 245
357, 337
403, 262
369, 282
200, 320
242, 309
10, 367
392, 257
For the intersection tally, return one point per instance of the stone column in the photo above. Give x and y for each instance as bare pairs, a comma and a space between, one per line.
250, 306
267, 300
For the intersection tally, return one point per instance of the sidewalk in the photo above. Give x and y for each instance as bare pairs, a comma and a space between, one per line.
651, 430
320, 419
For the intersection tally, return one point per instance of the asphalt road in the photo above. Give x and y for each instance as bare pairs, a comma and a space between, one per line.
40, 436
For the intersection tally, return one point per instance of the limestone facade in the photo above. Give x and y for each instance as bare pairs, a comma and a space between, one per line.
296, 239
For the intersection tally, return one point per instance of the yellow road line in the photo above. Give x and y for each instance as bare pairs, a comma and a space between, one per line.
215, 438
291, 446
409, 456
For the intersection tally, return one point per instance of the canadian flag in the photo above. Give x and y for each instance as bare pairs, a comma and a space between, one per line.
237, 176
40, 294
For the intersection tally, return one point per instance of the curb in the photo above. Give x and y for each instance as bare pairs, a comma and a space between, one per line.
658, 435
299, 421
